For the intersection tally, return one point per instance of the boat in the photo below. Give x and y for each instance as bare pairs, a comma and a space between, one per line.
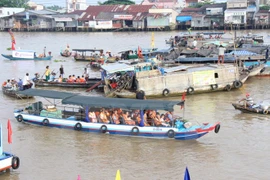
159, 82
43, 83
65, 54
260, 108
14, 93
77, 118
26, 55
7, 160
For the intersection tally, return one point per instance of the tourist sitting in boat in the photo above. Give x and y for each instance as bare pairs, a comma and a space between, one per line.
8, 84
60, 79
20, 84
27, 84
248, 101
52, 77
92, 116
115, 117
74, 78
103, 117
82, 79
169, 118
70, 79
127, 118
78, 79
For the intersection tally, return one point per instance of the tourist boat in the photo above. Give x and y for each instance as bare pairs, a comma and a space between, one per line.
26, 55
74, 118
158, 82
14, 93
90, 82
7, 160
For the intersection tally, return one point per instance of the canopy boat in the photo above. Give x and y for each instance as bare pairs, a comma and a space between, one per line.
26, 55
90, 82
14, 93
78, 118
7, 160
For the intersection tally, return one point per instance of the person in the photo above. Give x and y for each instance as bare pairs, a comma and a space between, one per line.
103, 116
44, 52
266, 54
61, 70
47, 73
221, 51
169, 118
60, 79
70, 79
82, 79
52, 77
127, 119
248, 101
20, 84
8, 84
140, 94
92, 117
26, 82
78, 79
115, 117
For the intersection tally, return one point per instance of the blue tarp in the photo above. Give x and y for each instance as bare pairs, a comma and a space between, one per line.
183, 18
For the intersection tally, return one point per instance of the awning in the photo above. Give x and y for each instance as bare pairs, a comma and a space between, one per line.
62, 19
93, 101
117, 67
46, 93
183, 18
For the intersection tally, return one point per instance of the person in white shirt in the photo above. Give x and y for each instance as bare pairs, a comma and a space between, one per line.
221, 51
26, 82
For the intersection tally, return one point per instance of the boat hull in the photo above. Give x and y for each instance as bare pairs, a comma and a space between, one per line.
35, 59
194, 132
89, 83
14, 94
65, 55
8, 160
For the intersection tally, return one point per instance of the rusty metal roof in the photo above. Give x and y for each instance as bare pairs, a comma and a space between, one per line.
93, 11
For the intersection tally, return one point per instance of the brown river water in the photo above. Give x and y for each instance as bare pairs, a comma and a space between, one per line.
239, 151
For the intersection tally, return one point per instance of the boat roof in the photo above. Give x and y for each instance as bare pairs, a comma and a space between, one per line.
93, 101
117, 67
46, 93
82, 50
22, 50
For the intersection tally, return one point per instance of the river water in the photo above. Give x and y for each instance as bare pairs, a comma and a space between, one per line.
239, 151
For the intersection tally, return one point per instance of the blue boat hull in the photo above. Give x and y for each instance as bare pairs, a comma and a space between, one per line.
35, 59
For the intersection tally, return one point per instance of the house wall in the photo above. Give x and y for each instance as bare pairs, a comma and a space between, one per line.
214, 11
157, 22
173, 16
235, 17
100, 24
138, 24
236, 4
198, 22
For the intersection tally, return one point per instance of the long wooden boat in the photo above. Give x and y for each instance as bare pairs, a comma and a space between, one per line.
65, 54
10, 57
7, 160
90, 82
255, 110
14, 93
78, 119
158, 82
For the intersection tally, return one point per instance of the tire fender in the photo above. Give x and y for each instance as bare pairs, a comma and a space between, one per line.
237, 84
19, 118
190, 90
78, 127
15, 162
135, 131
228, 87
217, 127
265, 111
214, 86
45, 122
103, 129
166, 92
171, 133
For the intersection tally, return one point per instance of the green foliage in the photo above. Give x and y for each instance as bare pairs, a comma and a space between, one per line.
116, 2
54, 7
200, 4
14, 3
265, 7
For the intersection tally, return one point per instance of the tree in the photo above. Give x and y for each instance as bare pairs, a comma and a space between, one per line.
54, 7
202, 3
116, 2
14, 3
265, 7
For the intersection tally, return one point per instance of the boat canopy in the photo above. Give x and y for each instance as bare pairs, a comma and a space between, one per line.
84, 50
117, 67
46, 93
102, 102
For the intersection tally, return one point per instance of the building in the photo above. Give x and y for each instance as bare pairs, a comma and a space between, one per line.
35, 6
214, 15
166, 4
73, 5
5, 11
236, 12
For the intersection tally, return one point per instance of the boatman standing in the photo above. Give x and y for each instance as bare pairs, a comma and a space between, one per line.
221, 51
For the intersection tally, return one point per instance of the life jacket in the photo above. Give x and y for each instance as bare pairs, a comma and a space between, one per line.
4, 83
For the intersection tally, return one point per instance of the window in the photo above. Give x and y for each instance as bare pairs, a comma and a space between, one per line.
1, 12
216, 75
199, 21
8, 13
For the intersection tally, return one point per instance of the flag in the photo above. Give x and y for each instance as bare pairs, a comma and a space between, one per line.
9, 132
79, 177
118, 176
139, 52
186, 177
183, 99
13, 46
